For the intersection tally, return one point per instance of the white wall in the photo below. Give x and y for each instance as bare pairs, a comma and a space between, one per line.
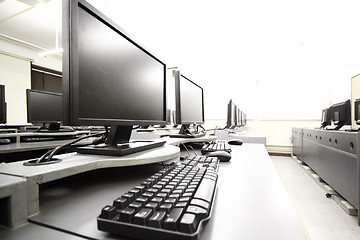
15, 74
51, 62
277, 59
277, 132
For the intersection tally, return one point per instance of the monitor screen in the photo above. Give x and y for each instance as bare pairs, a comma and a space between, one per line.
112, 80
189, 101
357, 111
231, 116
238, 117
340, 114
243, 118
43, 107
2, 104
326, 117
108, 78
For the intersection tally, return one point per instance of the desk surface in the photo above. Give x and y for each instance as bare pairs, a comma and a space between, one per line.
74, 163
19, 146
31, 146
251, 202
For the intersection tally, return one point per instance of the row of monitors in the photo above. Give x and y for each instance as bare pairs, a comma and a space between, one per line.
235, 117
47, 107
340, 114
111, 80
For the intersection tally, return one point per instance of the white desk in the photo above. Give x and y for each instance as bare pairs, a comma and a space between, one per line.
74, 163
251, 201
19, 135
245, 136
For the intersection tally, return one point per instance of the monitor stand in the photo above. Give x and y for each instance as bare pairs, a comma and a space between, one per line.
337, 127
118, 143
185, 132
52, 128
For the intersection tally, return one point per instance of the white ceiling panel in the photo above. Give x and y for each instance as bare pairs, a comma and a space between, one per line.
10, 8
36, 25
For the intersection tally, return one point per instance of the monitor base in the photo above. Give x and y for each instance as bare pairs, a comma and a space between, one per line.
187, 135
119, 149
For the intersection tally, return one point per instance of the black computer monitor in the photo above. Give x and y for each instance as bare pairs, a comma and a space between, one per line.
241, 116
237, 116
357, 111
2, 105
109, 80
325, 117
189, 104
341, 114
45, 108
231, 121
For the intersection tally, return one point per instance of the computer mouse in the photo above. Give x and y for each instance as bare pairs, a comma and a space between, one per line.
235, 142
222, 155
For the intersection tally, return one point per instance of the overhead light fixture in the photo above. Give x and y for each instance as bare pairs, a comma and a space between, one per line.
51, 52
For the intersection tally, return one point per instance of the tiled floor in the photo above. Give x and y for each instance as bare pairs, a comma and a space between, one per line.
323, 218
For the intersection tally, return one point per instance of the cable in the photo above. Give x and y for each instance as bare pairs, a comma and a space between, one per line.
48, 156
43, 126
186, 149
192, 150
199, 126
57, 149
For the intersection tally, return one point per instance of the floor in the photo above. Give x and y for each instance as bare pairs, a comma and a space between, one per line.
322, 217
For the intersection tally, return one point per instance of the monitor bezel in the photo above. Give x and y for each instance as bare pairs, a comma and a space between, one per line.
357, 111
30, 106
344, 106
230, 121
71, 68
178, 106
3, 109
328, 117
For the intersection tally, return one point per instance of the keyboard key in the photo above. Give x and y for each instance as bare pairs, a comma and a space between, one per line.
166, 207
154, 206
200, 203
136, 205
188, 223
125, 215
121, 203
142, 216
157, 219
198, 211
173, 218
206, 190
108, 212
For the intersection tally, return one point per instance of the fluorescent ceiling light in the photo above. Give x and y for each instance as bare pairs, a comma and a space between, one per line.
51, 52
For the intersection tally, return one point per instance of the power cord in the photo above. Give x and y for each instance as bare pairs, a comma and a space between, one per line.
187, 150
47, 158
192, 150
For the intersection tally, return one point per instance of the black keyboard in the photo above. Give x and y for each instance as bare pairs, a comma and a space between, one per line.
174, 203
218, 145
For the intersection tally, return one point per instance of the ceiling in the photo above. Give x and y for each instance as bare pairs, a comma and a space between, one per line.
231, 40
32, 21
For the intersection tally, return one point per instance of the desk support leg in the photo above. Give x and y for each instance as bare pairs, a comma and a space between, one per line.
32, 197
